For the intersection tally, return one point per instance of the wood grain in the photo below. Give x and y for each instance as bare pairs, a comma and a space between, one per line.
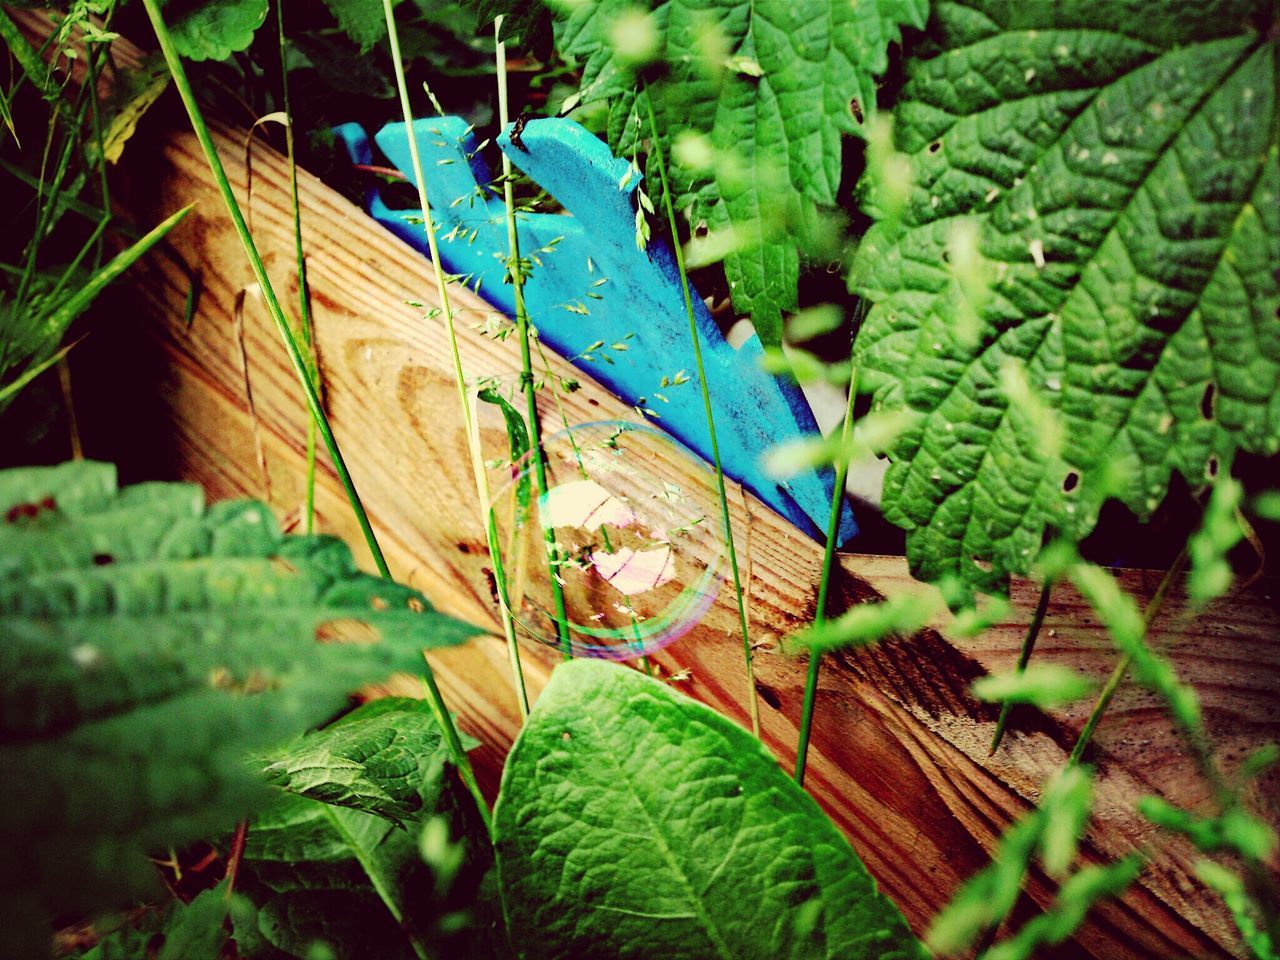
900, 750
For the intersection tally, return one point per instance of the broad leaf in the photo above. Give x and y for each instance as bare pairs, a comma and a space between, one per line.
149, 646
213, 29
772, 87
1117, 163
633, 822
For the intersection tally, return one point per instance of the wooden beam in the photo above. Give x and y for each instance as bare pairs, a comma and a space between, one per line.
899, 755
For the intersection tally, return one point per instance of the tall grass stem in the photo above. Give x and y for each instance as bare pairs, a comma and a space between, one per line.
304, 289
824, 584
1024, 657
468, 419
753, 704
515, 270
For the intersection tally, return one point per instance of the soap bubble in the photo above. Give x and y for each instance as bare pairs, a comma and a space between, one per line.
631, 524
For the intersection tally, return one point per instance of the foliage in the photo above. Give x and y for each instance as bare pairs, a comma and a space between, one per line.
53, 266
150, 644
635, 822
214, 29
766, 92
1050, 832
1118, 165
376, 851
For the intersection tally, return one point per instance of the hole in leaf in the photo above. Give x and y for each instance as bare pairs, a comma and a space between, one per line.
416, 605
1207, 401
935, 146
565, 736
1211, 468
983, 565
700, 230
348, 630
103, 559
1070, 482
378, 603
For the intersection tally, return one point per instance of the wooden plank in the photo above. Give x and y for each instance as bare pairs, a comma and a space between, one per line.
900, 750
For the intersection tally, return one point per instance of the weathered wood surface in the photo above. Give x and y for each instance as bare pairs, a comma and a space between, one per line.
900, 748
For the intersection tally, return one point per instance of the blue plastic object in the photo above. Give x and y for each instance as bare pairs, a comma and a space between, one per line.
593, 284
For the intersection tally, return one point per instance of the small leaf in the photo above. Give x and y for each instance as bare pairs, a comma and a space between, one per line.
213, 29
362, 20
1044, 685
375, 759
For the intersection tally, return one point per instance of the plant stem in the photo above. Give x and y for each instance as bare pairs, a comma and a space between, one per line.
180, 81
469, 424
304, 290
515, 271
824, 584
1028, 644
1122, 667
752, 701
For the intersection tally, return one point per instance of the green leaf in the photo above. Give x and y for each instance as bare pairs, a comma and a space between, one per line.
213, 29
132, 97
1208, 547
196, 930
1117, 162
771, 86
362, 20
375, 759
1044, 685
149, 647
634, 822
345, 861
527, 22
1053, 831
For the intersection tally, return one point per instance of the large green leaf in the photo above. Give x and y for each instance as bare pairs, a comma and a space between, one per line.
148, 647
775, 100
633, 822
1117, 162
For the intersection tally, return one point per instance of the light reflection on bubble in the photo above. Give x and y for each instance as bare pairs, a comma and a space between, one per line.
639, 541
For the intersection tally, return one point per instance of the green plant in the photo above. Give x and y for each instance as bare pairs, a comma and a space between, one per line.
1129, 246
53, 267
1068, 294
150, 645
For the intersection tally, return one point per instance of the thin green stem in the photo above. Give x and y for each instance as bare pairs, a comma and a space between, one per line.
753, 704
183, 85
515, 271
304, 290
824, 584
1122, 667
468, 420
1024, 657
